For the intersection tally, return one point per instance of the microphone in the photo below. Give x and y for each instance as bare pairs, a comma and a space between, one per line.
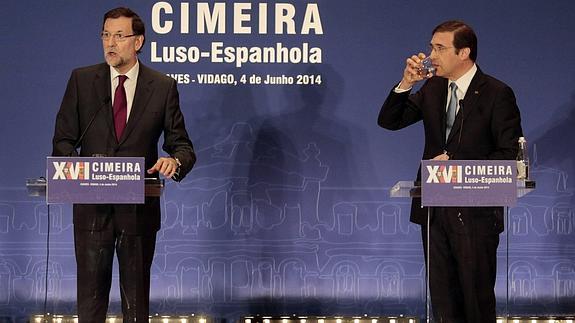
461, 126
79, 141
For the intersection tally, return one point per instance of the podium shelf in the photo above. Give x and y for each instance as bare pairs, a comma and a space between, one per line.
36, 187
413, 189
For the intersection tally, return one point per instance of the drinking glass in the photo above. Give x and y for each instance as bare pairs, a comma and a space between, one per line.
427, 69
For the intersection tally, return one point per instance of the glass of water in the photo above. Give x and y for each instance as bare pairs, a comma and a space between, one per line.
427, 69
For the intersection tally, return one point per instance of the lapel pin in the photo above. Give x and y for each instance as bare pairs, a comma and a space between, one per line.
476, 92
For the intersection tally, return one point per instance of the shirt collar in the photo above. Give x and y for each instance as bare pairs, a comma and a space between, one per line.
132, 74
465, 80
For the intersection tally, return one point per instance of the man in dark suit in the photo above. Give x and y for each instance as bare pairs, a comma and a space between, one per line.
466, 115
121, 108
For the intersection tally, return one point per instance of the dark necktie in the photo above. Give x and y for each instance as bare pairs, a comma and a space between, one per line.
120, 107
451, 110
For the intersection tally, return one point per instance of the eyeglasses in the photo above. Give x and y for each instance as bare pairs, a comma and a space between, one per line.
117, 37
438, 49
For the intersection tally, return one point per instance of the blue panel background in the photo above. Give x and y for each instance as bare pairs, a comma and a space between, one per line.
287, 210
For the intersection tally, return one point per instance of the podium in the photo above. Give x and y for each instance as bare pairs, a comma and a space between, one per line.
101, 173
413, 189
76, 178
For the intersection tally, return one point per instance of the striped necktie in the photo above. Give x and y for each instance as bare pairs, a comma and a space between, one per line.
451, 110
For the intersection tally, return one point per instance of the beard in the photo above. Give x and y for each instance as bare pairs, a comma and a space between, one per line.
116, 62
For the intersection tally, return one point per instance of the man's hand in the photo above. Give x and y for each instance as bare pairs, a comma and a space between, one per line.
167, 166
411, 73
443, 156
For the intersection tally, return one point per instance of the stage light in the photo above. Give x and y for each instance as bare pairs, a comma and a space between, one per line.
56, 318
391, 319
329, 319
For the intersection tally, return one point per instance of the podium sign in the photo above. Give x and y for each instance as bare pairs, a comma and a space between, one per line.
468, 183
95, 180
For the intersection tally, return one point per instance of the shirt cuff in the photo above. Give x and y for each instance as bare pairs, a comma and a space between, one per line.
398, 90
176, 176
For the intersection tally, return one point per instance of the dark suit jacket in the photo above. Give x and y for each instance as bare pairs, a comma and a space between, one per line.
155, 110
487, 126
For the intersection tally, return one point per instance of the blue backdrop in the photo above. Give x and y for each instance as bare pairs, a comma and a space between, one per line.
287, 210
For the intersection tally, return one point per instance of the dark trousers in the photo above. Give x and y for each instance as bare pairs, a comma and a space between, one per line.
462, 264
94, 259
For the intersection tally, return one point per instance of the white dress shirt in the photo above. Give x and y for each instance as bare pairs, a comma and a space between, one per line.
129, 85
462, 86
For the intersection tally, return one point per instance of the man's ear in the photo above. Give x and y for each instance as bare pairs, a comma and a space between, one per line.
139, 42
464, 52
